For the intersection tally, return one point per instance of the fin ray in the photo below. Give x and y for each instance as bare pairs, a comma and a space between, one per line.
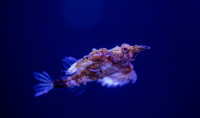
46, 83
68, 61
77, 90
42, 77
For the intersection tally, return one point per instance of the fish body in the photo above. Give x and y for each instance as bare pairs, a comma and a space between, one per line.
111, 68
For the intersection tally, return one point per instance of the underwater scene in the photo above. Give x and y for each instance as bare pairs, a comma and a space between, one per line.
100, 59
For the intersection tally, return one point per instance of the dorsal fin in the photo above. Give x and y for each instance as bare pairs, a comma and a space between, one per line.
68, 61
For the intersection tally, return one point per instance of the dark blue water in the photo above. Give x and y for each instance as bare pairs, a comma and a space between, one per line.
38, 34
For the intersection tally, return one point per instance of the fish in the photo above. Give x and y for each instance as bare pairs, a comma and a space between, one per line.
111, 68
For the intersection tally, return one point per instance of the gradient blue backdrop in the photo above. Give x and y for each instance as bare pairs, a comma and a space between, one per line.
38, 34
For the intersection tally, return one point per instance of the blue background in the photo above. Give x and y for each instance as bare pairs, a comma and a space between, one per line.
38, 34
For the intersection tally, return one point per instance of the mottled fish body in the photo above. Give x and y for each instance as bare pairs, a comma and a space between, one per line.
111, 68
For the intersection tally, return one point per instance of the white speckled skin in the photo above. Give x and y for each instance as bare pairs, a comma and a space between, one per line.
118, 79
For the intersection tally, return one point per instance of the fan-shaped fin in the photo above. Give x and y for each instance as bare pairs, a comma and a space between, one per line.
68, 61
46, 83
77, 90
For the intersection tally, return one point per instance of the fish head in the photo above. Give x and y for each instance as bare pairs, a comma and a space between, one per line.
130, 52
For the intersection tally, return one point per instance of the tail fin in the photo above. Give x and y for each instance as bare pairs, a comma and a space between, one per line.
46, 83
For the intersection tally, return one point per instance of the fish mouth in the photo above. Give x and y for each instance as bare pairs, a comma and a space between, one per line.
144, 47
139, 48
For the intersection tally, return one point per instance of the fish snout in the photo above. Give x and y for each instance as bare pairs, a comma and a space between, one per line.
144, 47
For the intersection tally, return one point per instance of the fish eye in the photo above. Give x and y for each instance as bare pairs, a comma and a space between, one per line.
125, 50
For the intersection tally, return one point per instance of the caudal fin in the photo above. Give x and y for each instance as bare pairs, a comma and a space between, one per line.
46, 83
